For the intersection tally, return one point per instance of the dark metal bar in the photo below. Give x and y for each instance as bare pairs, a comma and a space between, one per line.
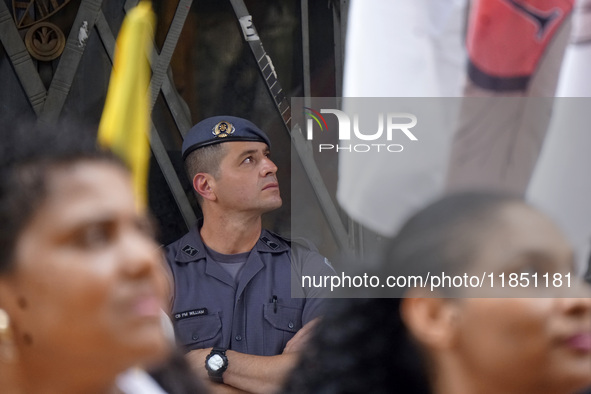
178, 108
66, 69
21, 60
303, 148
172, 179
161, 63
306, 48
339, 26
158, 149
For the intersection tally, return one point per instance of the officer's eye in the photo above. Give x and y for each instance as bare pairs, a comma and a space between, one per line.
249, 159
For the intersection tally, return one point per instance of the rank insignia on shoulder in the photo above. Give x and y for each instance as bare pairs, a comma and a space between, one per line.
223, 129
191, 251
269, 243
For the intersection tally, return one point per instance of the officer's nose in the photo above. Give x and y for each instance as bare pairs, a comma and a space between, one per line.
268, 167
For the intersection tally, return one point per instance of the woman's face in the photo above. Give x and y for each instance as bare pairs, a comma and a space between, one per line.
88, 284
516, 342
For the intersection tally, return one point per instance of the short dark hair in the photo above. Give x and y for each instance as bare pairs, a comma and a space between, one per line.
29, 153
204, 160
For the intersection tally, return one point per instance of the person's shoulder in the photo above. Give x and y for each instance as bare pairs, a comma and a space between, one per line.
298, 243
304, 243
187, 248
175, 245
303, 252
191, 236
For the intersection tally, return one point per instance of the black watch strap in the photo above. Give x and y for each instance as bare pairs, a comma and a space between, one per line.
217, 376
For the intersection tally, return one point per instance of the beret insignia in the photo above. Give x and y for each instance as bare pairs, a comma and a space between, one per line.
223, 129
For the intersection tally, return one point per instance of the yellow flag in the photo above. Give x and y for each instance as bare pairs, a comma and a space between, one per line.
125, 122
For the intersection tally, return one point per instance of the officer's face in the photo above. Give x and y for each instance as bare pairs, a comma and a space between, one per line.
247, 179
88, 285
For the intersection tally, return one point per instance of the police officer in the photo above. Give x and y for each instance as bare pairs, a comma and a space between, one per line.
232, 308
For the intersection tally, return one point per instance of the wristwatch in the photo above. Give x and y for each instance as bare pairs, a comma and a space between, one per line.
216, 363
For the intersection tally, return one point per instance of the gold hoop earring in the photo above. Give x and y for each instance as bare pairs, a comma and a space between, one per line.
7, 349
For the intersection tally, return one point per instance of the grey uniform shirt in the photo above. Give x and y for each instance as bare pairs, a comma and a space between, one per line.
255, 315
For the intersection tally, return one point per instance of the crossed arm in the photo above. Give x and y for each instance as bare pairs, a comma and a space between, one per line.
254, 374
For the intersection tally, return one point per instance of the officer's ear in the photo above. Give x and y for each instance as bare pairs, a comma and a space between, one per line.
202, 183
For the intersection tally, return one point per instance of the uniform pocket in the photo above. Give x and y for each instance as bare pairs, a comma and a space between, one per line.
285, 318
199, 332
280, 326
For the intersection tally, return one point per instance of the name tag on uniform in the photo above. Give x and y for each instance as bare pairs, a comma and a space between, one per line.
192, 313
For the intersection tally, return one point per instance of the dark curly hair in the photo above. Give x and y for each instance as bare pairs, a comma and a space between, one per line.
360, 346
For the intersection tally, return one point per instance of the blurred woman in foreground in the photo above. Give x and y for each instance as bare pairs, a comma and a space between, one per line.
537, 341
81, 280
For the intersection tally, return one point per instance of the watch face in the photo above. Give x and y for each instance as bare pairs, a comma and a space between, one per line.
215, 362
